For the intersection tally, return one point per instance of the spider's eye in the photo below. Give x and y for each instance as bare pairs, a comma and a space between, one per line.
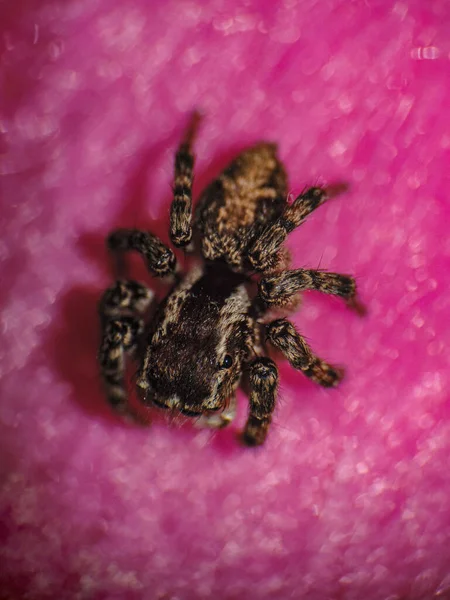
227, 362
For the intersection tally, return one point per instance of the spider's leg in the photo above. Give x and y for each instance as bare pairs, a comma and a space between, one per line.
119, 337
263, 377
283, 336
124, 298
159, 258
181, 207
119, 311
263, 254
281, 288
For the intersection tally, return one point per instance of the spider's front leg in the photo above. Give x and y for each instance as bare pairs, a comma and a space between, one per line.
121, 306
181, 207
263, 255
119, 310
159, 258
263, 377
280, 289
283, 336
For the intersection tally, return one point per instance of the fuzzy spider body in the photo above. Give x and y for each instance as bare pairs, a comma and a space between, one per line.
198, 342
210, 331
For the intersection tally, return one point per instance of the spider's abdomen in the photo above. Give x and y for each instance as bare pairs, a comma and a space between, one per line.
249, 195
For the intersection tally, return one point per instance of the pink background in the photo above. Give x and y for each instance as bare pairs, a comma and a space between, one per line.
349, 498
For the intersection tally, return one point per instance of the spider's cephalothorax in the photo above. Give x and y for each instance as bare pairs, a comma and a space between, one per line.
212, 328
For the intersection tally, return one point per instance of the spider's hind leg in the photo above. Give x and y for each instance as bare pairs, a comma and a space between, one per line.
284, 337
120, 308
181, 207
280, 289
263, 255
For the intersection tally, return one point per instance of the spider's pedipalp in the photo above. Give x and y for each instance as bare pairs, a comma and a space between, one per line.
219, 420
283, 336
263, 378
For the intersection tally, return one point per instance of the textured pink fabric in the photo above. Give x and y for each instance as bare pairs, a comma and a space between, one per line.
349, 497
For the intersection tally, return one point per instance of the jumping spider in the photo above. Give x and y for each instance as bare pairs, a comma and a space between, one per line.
210, 330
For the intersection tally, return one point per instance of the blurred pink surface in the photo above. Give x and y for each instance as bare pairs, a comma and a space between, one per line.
349, 498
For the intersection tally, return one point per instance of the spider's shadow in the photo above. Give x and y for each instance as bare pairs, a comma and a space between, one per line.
73, 344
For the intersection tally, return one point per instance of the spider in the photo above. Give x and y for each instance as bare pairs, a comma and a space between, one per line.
214, 327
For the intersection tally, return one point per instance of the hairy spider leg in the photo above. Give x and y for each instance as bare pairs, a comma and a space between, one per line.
119, 308
263, 379
181, 208
159, 258
284, 337
280, 289
122, 305
264, 253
